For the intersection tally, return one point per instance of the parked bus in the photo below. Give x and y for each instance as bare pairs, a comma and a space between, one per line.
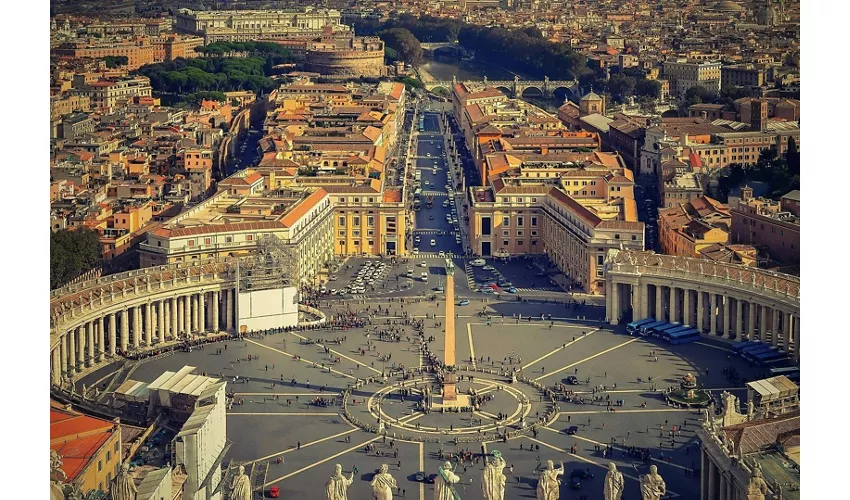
752, 355
684, 336
667, 333
634, 326
792, 372
644, 329
741, 346
658, 331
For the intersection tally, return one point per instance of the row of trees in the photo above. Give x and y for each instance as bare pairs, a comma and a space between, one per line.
402, 45
186, 76
426, 29
71, 254
519, 51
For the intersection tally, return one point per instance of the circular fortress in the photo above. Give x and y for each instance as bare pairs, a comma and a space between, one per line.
346, 57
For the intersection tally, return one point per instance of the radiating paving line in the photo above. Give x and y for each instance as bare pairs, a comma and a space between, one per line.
541, 358
299, 358
305, 445
586, 359
320, 462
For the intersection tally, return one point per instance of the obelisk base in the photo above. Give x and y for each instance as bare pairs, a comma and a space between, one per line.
449, 387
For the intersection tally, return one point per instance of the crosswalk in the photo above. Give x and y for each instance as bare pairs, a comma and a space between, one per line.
435, 255
436, 194
428, 231
540, 289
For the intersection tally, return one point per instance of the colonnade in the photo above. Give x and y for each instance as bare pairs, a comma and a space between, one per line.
725, 313
141, 323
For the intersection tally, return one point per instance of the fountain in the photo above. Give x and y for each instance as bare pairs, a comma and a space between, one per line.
689, 395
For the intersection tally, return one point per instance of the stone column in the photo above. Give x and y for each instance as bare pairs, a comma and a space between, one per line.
615, 304
181, 315
101, 333
160, 320
63, 353
712, 314
148, 332
723, 486
72, 350
202, 312
215, 305
137, 325
112, 330
175, 331
727, 326
700, 312
774, 327
635, 292
674, 305
230, 296
644, 301
703, 465
688, 314
659, 306
187, 315
751, 320
739, 319
797, 338
56, 366
193, 299
90, 343
125, 329
712, 479
787, 331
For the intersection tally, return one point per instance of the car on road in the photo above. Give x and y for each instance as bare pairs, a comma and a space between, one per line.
423, 264
445, 203
489, 268
439, 288
573, 429
442, 253
431, 217
478, 263
433, 243
410, 273
415, 250
512, 290
572, 380
423, 276
274, 492
333, 277
575, 483
581, 474
463, 302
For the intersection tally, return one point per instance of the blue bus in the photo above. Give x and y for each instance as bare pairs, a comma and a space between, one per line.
684, 336
741, 346
634, 326
644, 329
792, 372
754, 354
771, 356
666, 335
658, 331
756, 346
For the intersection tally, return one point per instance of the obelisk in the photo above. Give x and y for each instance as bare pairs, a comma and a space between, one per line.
449, 378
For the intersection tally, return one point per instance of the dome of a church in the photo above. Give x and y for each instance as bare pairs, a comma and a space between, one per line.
726, 6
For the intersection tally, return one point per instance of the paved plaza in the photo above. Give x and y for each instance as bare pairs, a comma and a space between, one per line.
289, 373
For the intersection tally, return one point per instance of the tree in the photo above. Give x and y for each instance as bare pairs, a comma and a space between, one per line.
116, 61
403, 42
71, 254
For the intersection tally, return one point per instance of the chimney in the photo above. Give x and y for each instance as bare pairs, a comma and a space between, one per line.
683, 140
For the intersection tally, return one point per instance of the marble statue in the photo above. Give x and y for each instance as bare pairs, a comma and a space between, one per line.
548, 485
338, 484
444, 484
123, 487
614, 483
383, 484
57, 477
493, 478
757, 486
652, 486
240, 485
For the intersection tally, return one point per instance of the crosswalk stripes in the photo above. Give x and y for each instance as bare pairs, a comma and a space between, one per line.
540, 289
428, 231
433, 255
436, 194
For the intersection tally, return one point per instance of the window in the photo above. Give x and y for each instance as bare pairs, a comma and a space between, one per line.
634, 237
356, 221
534, 233
108, 455
250, 237
228, 239
371, 242
520, 242
534, 222
600, 260
207, 241
356, 200
370, 221
99, 465
191, 243
370, 233
342, 221
519, 233
506, 221
341, 233
355, 233
519, 221
506, 242
616, 236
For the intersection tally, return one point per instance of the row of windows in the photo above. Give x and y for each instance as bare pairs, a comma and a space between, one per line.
355, 221
520, 221
355, 233
519, 233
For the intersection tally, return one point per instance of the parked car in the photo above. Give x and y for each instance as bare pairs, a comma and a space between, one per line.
463, 302
274, 492
478, 263
573, 429
572, 380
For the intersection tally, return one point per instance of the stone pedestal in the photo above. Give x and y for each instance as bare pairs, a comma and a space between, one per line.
450, 387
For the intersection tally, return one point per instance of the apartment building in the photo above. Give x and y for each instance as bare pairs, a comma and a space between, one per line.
138, 51
683, 75
743, 75
229, 224
107, 95
771, 226
573, 218
686, 229
249, 25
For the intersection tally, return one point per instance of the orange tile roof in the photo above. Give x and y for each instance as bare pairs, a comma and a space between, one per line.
77, 438
392, 195
301, 209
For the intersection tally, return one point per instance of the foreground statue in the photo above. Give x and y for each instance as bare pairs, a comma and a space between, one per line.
123, 487
444, 483
548, 486
383, 484
338, 484
614, 483
240, 485
652, 486
493, 478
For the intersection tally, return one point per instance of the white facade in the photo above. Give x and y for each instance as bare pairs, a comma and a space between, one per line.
264, 309
199, 446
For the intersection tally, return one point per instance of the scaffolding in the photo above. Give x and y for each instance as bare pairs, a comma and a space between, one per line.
274, 265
